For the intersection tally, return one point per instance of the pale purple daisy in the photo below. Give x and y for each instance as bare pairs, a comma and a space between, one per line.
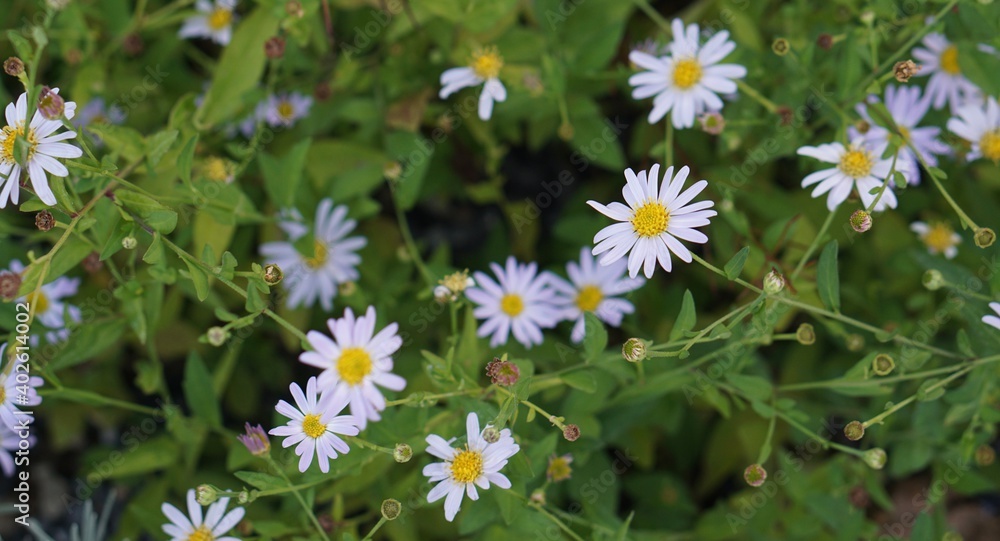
519, 302
594, 288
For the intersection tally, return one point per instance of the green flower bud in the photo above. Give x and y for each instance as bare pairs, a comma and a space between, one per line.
854, 430
780, 47
883, 364
206, 494
634, 350
755, 475
933, 280
402, 453
805, 334
875, 458
985, 237
391, 509
774, 282
217, 336
129, 243
272, 274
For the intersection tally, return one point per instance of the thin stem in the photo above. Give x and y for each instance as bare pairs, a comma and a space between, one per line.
721, 273
757, 96
813, 245
411, 246
669, 142
302, 501
551, 418
652, 14
375, 528
896, 407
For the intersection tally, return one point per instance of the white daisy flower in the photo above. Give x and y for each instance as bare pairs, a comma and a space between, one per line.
992, 320
947, 84
979, 125
314, 425
214, 21
44, 146
309, 278
860, 164
484, 70
15, 395
212, 527
10, 443
653, 221
939, 238
355, 361
282, 110
478, 464
907, 109
594, 288
521, 303
689, 80
50, 306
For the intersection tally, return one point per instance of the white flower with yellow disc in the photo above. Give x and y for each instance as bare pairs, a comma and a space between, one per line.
314, 424
980, 126
483, 70
522, 303
214, 21
193, 527
939, 237
595, 288
857, 164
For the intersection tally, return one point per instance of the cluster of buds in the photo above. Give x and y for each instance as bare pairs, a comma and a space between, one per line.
502, 372
452, 286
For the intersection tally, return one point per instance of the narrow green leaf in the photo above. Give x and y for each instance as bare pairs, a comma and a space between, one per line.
198, 391
200, 279
735, 265
582, 380
686, 318
260, 481
827, 277
283, 175
158, 144
185, 162
596, 337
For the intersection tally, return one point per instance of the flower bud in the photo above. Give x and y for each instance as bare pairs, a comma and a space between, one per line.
348, 288
571, 432
274, 47
392, 170
44, 221
10, 283
985, 237
862, 126
294, 8
402, 453
774, 282
129, 242
825, 42
875, 458
272, 274
755, 475
255, 440
391, 509
854, 342
566, 131
634, 350
246, 497
883, 364
206, 494
712, 122
780, 47
502, 373
50, 104
904, 70
538, 496
442, 294
805, 334
133, 44
867, 16
985, 455
854, 430
13, 66
92, 263
861, 221
933, 280
491, 434
217, 336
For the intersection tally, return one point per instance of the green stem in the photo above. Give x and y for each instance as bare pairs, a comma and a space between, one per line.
757, 96
813, 245
375, 528
87, 397
302, 501
411, 246
878, 419
652, 14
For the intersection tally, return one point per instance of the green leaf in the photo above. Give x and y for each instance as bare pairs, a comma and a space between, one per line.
126, 141
200, 279
239, 69
198, 392
154, 254
735, 265
753, 386
158, 144
185, 162
596, 337
21, 45
622, 534
582, 380
87, 341
414, 152
686, 318
283, 175
827, 278
926, 394
151, 212
260, 481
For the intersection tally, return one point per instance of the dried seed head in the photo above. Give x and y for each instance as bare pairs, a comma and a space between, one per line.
774, 282
50, 104
92, 263
402, 453
862, 126
391, 509
985, 237
274, 47
133, 44
933, 279
634, 350
755, 475
571, 432
780, 47
44, 221
883, 364
854, 430
825, 42
13, 66
859, 497
985, 455
217, 336
904, 70
503, 373
272, 274
206, 494
861, 221
322, 91
805, 334
10, 283
876, 458
712, 123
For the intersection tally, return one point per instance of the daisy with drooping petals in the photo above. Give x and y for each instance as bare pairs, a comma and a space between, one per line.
43, 146
50, 306
653, 221
907, 109
15, 395
979, 125
314, 425
283, 110
355, 361
947, 85
333, 261
594, 288
992, 320
859, 164
939, 238
214, 21
215, 524
521, 303
484, 70
478, 464
688, 80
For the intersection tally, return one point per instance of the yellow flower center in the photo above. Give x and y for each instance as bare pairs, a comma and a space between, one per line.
687, 73
559, 469
320, 254
216, 169
3, 394
40, 301
487, 63
650, 219
467, 466
856, 163
312, 426
949, 60
220, 18
589, 298
989, 145
939, 237
905, 132
10, 135
354, 364
511, 304
285, 109
201, 534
